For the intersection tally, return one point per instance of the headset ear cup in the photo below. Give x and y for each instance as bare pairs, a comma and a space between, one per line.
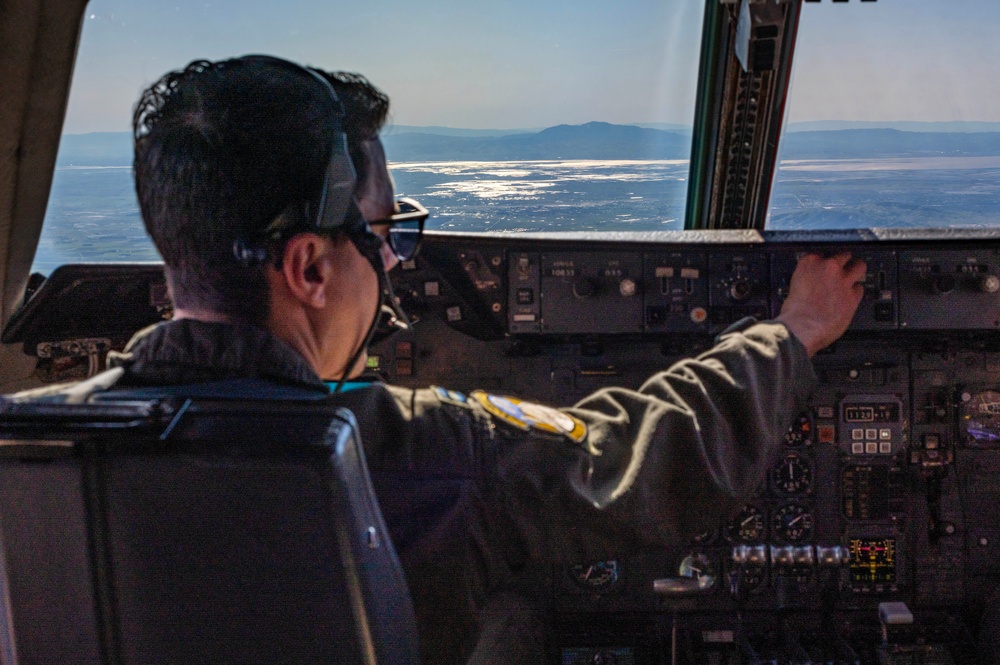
339, 181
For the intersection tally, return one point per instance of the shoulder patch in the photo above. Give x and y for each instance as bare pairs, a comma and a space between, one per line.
450, 396
531, 416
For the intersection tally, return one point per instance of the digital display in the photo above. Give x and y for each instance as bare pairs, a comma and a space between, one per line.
865, 492
883, 412
873, 563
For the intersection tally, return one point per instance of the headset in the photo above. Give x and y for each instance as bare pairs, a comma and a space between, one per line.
334, 205
333, 209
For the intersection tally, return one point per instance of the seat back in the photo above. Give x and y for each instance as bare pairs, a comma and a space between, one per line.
204, 532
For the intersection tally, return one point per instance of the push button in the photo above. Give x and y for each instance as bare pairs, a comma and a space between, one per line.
826, 434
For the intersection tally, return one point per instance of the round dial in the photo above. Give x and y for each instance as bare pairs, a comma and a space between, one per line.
800, 433
792, 475
597, 575
792, 523
700, 567
748, 526
981, 417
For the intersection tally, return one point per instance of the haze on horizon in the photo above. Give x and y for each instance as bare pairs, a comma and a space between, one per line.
530, 64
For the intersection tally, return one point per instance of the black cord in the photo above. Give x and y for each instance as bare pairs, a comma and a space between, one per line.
382, 278
371, 250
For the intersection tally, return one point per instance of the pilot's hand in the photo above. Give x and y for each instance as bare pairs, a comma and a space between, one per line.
822, 298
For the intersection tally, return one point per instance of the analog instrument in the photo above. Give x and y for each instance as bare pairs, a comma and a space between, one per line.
596, 576
700, 567
792, 523
792, 475
748, 526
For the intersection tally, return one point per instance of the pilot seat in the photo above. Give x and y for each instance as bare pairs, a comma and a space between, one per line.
194, 530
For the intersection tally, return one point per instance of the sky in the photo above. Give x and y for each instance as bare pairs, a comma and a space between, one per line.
537, 63
902, 60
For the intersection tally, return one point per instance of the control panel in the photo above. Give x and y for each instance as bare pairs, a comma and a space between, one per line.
874, 537
691, 291
878, 501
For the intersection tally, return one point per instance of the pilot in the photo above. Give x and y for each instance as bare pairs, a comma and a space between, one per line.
260, 183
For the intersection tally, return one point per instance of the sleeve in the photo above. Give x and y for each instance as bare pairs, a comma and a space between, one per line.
654, 465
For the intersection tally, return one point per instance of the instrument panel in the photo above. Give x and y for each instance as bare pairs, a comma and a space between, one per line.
874, 538
883, 494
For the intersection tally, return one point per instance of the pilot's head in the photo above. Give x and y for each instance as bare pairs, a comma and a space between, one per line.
254, 178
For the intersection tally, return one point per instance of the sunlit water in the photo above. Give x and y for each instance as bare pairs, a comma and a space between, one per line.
93, 214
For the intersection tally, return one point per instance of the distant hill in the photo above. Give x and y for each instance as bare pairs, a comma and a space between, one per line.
876, 143
902, 125
594, 140
666, 126
392, 130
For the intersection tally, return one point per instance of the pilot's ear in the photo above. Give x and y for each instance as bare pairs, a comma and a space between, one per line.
305, 270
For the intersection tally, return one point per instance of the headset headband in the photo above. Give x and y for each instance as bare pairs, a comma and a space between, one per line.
333, 205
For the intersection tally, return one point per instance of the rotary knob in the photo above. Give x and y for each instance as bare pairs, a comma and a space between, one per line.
739, 290
584, 287
628, 288
943, 284
989, 284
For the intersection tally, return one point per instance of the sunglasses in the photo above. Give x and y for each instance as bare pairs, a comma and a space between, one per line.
406, 228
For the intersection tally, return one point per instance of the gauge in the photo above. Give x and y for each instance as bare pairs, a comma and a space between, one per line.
700, 567
981, 418
748, 526
792, 475
800, 433
792, 523
595, 576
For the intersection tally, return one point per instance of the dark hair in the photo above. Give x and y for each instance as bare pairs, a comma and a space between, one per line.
223, 148
366, 109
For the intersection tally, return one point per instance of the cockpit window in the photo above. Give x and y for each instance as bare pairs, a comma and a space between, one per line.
506, 116
893, 117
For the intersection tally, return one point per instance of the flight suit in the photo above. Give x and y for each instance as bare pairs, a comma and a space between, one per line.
475, 486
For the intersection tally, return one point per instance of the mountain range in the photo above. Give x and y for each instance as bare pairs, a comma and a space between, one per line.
594, 140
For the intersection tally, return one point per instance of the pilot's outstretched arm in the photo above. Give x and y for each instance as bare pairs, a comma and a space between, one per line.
663, 463
623, 469
666, 462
